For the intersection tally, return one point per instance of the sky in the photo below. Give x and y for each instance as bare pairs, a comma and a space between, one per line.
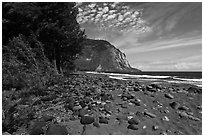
155, 36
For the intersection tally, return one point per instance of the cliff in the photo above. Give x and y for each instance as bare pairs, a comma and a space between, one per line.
100, 55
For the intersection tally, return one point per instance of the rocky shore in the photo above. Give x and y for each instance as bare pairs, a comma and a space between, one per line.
86, 104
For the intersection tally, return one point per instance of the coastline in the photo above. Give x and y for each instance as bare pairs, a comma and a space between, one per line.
158, 108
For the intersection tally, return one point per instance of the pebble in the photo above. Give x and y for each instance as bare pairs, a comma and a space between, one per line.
169, 96
184, 114
133, 121
136, 89
127, 95
6, 133
133, 127
155, 127
149, 114
136, 101
103, 120
96, 124
85, 120
185, 108
76, 108
107, 108
83, 112
165, 118
121, 117
82, 103
194, 90
151, 89
174, 105
156, 86
56, 130
46, 118
124, 106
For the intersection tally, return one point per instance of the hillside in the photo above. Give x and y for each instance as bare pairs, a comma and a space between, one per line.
100, 55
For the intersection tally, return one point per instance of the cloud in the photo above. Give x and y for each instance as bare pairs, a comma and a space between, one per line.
168, 15
164, 44
115, 16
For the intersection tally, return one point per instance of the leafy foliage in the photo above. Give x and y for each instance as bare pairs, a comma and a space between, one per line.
34, 36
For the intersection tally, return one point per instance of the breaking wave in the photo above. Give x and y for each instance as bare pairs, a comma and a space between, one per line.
170, 79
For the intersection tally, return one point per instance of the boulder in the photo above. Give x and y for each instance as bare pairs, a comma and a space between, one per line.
194, 90
55, 129
37, 127
96, 124
174, 105
149, 114
133, 120
132, 127
103, 120
169, 96
85, 120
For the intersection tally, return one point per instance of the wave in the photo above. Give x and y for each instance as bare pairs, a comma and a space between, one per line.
170, 79
189, 79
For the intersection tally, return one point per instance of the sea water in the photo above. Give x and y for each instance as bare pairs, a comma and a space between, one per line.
193, 78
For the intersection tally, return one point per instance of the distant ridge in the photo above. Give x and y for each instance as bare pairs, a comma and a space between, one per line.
101, 56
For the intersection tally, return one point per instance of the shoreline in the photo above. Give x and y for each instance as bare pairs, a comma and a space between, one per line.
157, 108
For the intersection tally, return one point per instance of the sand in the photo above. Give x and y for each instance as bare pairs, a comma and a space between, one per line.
161, 108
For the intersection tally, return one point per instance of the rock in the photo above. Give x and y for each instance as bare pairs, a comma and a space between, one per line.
133, 127
169, 96
47, 117
6, 133
85, 120
155, 127
121, 117
165, 118
69, 106
82, 103
83, 112
76, 108
184, 114
133, 120
127, 95
136, 101
37, 127
136, 89
194, 90
103, 120
96, 124
104, 97
151, 89
193, 118
56, 130
155, 86
199, 107
108, 108
140, 115
185, 108
124, 106
149, 114
174, 105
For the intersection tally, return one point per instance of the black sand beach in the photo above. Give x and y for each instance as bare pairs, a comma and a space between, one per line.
88, 104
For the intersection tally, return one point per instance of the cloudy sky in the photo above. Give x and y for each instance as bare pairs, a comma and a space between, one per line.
154, 36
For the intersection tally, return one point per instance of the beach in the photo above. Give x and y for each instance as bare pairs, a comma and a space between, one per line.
90, 104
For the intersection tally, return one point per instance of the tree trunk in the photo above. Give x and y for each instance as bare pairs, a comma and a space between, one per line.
58, 59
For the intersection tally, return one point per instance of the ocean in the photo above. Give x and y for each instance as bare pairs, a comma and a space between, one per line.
193, 78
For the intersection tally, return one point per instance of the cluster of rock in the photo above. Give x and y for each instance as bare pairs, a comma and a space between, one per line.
96, 102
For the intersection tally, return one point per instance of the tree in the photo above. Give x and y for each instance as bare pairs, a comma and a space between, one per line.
53, 24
